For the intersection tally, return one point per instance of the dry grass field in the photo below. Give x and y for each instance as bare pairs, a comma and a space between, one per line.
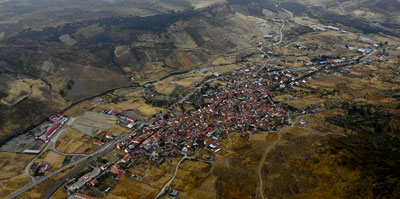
39, 190
13, 184
73, 141
135, 102
13, 164
79, 108
189, 80
54, 159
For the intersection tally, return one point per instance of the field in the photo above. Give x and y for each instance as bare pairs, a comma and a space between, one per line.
226, 68
348, 147
11, 172
92, 123
39, 190
136, 103
79, 109
13, 164
73, 141
165, 86
13, 184
56, 160
189, 80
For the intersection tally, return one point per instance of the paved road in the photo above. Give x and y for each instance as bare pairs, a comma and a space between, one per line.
73, 172
92, 157
52, 141
372, 54
29, 186
109, 146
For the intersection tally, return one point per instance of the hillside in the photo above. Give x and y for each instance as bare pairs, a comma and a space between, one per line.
213, 99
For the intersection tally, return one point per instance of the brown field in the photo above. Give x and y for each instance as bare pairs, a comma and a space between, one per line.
119, 130
128, 188
223, 60
165, 87
136, 102
262, 137
13, 164
194, 180
79, 109
192, 78
226, 68
22, 88
303, 102
73, 141
40, 189
13, 184
56, 160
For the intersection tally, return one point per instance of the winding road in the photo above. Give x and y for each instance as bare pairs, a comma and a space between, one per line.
168, 184
261, 164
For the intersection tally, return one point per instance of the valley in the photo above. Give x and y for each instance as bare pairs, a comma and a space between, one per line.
229, 100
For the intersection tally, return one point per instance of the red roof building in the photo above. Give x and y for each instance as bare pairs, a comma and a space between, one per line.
109, 135
94, 182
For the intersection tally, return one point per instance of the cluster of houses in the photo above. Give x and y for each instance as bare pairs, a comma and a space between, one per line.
55, 123
102, 141
123, 120
242, 104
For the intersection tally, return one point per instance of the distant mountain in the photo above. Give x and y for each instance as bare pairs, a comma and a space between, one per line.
44, 70
368, 16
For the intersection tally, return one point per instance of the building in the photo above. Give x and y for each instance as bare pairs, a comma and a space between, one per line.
31, 151
126, 158
333, 28
94, 182
105, 166
109, 135
268, 36
84, 179
174, 193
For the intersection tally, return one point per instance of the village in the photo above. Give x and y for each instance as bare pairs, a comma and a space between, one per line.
236, 102
241, 102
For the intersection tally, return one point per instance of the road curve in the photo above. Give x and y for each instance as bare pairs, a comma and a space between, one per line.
168, 184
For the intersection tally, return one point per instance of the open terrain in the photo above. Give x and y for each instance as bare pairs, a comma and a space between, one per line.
212, 99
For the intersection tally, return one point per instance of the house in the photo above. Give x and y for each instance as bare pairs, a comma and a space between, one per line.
315, 27
94, 182
84, 179
105, 166
213, 145
109, 135
131, 125
115, 169
174, 192
268, 36
132, 119
126, 158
